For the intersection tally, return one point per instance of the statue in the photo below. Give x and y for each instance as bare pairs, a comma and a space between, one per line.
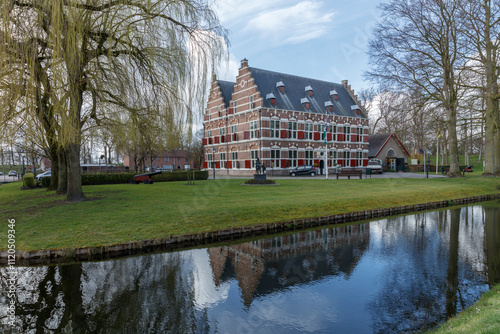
257, 166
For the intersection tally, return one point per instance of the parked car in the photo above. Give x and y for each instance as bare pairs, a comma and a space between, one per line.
376, 165
303, 170
12, 173
1, 173
46, 174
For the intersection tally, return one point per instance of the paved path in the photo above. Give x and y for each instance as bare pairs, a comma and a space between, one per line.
334, 177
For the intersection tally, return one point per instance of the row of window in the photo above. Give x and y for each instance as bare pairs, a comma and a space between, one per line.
345, 158
309, 130
167, 159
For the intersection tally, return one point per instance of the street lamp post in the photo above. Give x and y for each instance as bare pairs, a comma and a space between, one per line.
213, 160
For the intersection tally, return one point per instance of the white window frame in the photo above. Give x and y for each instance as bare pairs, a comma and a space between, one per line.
275, 158
253, 129
275, 128
292, 128
292, 158
309, 157
309, 131
254, 154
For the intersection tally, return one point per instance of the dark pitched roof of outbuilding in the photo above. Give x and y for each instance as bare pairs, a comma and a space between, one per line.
227, 90
295, 91
377, 142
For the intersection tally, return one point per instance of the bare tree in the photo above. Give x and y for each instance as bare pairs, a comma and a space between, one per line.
416, 48
481, 20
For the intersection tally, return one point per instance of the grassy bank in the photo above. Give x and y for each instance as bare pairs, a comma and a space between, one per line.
481, 318
123, 213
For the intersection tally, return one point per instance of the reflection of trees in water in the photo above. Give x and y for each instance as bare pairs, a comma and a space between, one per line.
492, 243
134, 295
418, 293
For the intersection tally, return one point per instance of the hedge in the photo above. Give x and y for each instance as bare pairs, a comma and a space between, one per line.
97, 179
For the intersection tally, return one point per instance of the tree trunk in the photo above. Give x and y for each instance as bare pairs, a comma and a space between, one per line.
75, 193
62, 184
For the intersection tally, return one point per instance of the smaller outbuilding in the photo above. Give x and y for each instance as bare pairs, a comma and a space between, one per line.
389, 149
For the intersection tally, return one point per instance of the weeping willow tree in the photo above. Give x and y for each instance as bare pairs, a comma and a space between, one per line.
96, 54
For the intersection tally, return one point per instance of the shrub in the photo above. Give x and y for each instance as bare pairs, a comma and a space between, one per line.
45, 181
29, 180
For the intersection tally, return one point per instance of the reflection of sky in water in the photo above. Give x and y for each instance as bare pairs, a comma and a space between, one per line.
386, 276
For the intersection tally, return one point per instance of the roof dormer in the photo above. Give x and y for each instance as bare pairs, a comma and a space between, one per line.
280, 86
271, 98
309, 90
329, 106
356, 108
334, 95
305, 102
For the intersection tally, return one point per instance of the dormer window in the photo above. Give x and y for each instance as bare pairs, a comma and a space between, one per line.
305, 102
334, 95
329, 106
280, 86
309, 90
355, 108
271, 98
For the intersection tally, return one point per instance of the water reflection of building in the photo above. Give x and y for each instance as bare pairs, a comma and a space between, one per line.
266, 265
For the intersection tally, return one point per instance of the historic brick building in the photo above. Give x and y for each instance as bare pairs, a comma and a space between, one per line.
280, 119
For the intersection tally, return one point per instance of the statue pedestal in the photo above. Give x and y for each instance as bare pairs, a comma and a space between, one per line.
259, 178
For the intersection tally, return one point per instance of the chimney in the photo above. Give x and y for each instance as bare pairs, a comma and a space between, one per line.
244, 63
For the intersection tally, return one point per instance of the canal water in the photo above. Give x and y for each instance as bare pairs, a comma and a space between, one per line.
399, 274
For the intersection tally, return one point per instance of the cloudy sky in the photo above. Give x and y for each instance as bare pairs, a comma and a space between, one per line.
320, 39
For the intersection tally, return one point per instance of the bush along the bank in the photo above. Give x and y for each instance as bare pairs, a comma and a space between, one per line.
119, 178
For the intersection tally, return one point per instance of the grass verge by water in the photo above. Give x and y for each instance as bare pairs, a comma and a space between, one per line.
481, 318
123, 213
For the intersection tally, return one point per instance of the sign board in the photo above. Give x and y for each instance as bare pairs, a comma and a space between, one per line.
414, 161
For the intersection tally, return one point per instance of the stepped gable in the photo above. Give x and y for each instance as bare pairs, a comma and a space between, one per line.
227, 90
295, 93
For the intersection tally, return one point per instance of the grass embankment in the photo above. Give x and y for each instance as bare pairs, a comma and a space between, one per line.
481, 318
124, 213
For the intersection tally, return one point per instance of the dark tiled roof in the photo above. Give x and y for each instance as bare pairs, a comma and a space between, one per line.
295, 91
227, 89
376, 142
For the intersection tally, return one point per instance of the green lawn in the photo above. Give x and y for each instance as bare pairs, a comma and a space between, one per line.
481, 318
123, 213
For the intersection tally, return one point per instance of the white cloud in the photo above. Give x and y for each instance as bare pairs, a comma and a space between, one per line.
291, 25
280, 22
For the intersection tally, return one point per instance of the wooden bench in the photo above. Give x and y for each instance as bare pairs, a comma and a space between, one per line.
350, 172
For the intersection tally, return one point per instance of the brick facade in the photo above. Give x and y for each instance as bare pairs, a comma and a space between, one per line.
281, 119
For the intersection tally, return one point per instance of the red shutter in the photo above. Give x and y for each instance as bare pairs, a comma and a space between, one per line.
340, 137
229, 164
205, 164
284, 133
316, 162
316, 136
366, 139
353, 162
217, 164
365, 162
228, 138
300, 135
216, 139
246, 135
329, 137
301, 162
222, 139
340, 162
284, 163
230, 111
204, 141
235, 137
248, 164
354, 138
